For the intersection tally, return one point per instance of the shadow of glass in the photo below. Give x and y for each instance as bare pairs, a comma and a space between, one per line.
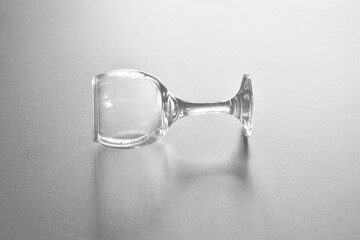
208, 198
144, 193
236, 165
129, 188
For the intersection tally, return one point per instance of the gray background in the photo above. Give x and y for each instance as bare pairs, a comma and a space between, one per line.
297, 177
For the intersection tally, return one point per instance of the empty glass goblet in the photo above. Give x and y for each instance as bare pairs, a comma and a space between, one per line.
133, 109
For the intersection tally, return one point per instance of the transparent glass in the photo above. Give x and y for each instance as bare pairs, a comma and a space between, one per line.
133, 109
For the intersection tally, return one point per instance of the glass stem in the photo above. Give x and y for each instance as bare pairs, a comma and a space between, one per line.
188, 108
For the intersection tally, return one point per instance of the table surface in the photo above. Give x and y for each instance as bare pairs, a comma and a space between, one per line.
297, 177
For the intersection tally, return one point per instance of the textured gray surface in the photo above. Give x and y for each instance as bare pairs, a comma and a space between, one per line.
296, 178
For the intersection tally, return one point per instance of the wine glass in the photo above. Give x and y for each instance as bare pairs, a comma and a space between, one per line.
132, 108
